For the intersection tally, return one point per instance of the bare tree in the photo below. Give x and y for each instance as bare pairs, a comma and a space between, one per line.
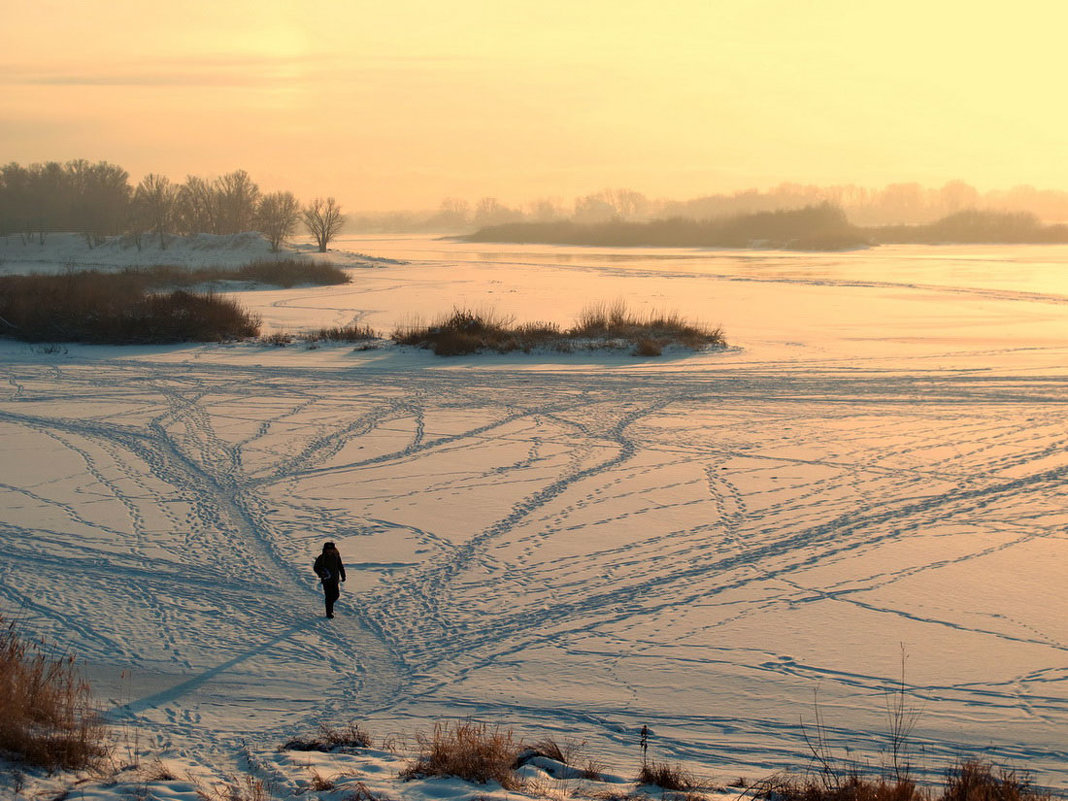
157, 198
628, 203
545, 210
15, 190
236, 196
594, 208
99, 195
198, 208
453, 213
491, 211
48, 188
323, 219
277, 217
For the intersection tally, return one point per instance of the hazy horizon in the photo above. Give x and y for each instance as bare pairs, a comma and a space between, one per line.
397, 107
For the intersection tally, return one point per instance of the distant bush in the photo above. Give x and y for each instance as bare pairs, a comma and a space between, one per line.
602, 325
467, 750
46, 716
102, 308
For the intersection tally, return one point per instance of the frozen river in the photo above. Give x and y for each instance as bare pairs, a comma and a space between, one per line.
873, 475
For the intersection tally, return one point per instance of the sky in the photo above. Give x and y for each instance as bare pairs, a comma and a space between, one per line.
398, 104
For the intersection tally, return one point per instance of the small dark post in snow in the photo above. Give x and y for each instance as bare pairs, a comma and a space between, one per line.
645, 745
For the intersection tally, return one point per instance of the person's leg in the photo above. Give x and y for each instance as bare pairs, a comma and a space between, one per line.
332, 593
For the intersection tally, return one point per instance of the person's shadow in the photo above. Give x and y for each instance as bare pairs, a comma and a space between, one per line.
187, 686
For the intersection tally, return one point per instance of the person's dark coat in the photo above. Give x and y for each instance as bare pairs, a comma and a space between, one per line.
328, 566
330, 570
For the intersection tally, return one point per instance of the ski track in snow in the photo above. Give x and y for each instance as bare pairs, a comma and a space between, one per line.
648, 519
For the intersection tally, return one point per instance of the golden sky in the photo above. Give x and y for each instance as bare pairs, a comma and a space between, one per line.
399, 103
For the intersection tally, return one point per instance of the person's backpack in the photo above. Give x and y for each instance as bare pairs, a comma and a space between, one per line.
320, 569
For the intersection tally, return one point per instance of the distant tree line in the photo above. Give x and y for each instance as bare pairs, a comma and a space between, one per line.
822, 227
98, 201
975, 226
895, 204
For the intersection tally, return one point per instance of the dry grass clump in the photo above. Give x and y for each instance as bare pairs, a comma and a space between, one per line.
320, 783
851, 788
967, 781
550, 749
235, 788
341, 333
617, 795
601, 325
156, 771
608, 321
570, 753
465, 331
667, 777
467, 750
279, 339
290, 272
331, 738
275, 272
981, 781
46, 716
361, 792
647, 347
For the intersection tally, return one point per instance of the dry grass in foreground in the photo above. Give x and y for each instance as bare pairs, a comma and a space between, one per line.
332, 738
667, 777
970, 780
46, 718
466, 750
599, 326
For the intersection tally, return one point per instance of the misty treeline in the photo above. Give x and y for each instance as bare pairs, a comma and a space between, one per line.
895, 204
823, 227
98, 201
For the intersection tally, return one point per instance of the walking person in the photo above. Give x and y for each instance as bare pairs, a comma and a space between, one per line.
330, 570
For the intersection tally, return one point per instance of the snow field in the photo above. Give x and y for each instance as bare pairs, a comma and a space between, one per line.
575, 545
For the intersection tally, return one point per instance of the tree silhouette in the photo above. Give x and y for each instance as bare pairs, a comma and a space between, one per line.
157, 198
323, 219
277, 217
